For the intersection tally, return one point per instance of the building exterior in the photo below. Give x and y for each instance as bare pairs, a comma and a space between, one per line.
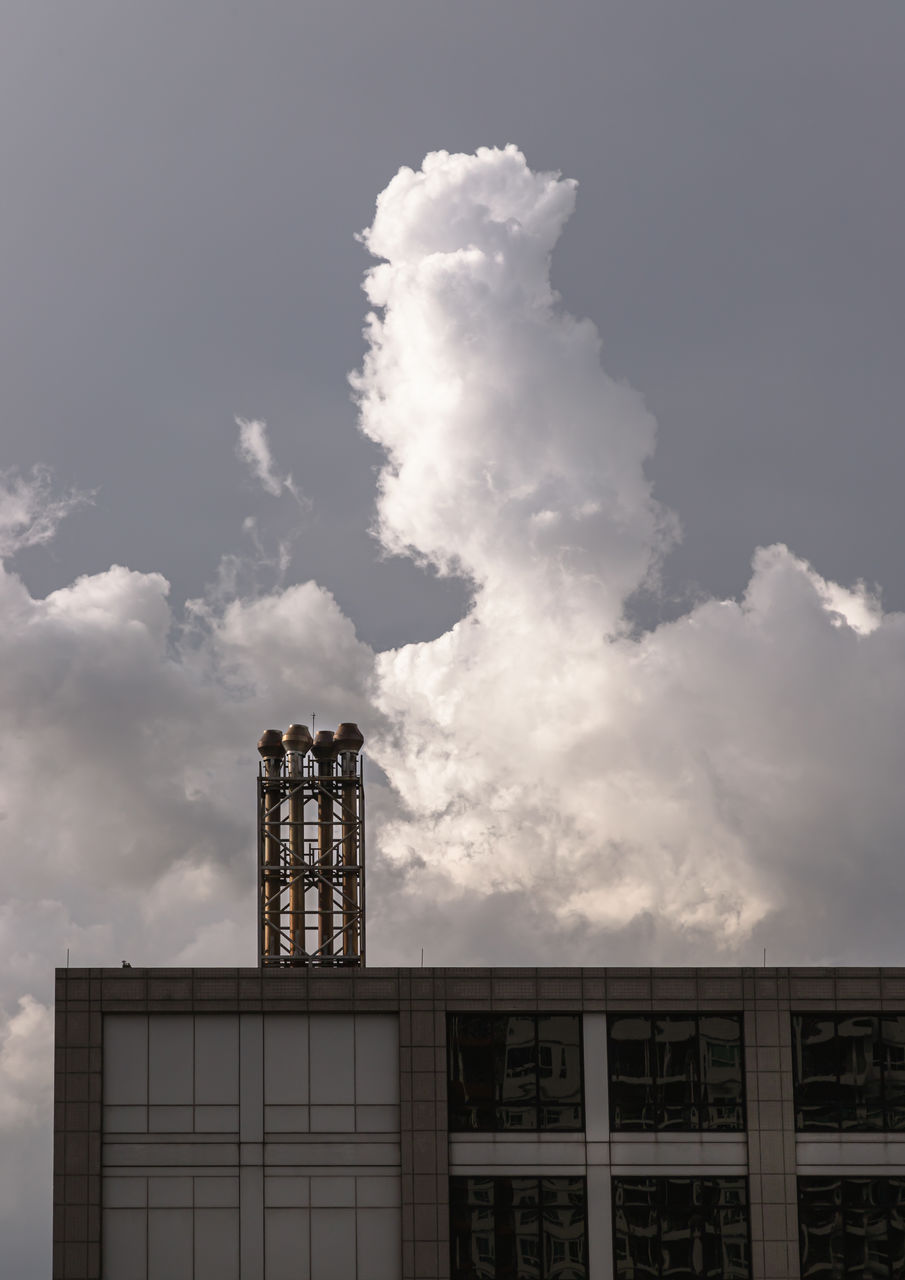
344, 1123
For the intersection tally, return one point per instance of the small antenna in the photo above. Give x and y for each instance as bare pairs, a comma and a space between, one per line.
313, 718
422, 957
765, 957
67, 957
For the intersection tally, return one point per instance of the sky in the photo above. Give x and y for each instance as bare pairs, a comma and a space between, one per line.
523, 382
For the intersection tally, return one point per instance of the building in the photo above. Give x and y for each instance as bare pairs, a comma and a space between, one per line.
388, 1123
314, 1119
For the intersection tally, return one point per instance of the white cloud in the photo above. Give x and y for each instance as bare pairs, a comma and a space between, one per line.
253, 448
26, 1064
30, 511
699, 781
558, 787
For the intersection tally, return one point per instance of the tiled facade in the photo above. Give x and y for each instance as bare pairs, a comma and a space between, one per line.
769, 1152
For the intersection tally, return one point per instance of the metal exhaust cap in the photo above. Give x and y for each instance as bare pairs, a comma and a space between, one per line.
323, 747
297, 738
270, 744
348, 737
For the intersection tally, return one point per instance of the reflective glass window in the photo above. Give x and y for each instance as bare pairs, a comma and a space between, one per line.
679, 1071
849, 1071
851, 1227
514, 1071
681, 1228
525, 1228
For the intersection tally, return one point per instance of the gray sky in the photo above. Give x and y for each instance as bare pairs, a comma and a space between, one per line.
182, 188
183, 183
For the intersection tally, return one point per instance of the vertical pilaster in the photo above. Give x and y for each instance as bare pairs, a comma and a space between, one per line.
77, 1137
771, 1127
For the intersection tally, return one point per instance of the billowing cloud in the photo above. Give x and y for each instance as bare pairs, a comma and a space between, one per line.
699, 781
562, 785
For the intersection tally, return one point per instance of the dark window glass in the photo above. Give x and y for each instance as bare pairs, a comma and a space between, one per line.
681, 1228
849, 1071
631, 1062
892, 1065
514, 1071
722, 1082
851, 1227
518, 1228
676, 1071
559, 1075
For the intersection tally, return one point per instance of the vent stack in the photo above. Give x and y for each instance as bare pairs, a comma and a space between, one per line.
311, 848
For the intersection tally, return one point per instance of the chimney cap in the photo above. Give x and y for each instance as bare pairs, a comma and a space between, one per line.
348, 737
323, 747
270, 744
297, 738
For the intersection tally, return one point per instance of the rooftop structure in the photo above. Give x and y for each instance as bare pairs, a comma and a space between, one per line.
314, 1119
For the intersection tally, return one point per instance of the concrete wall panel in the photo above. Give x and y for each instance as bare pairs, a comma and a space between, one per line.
217, 1060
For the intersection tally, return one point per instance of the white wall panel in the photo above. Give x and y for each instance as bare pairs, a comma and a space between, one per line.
170, 1060
600, 1229
125, 1119
377, 1119
251, 1077
376, 1060
596, 1101
125, 1254
332, 1058
170, 1244
211, 1192
169, 1193
333, 1192
217, 1059
286, 1192
285, 1060
216, 1244
379, 1193
286, 1244
251, 1222
170, 1119
183, 1199
379, 1244
286, 1119
216, 1119
332, 1244
125, 1193
126, 1059
332, 1119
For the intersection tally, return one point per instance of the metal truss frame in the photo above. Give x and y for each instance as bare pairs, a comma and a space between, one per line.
311, 882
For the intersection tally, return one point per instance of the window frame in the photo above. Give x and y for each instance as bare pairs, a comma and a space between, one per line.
661, 1181
653, 1015
539, 1178
845, 1212
886, 1101
538, 1103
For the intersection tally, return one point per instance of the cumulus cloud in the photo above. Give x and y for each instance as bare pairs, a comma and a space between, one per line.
700, 781
26, 1063
560, 786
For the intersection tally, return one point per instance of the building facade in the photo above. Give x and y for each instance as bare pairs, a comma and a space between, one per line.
532, 1124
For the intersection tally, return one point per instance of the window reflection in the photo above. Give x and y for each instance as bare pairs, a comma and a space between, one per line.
849, 1071
676, 1071
514, 1071
851, 1227
518, 1228
680, 1228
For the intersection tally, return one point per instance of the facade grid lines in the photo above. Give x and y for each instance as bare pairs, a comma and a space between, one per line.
769, 1153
